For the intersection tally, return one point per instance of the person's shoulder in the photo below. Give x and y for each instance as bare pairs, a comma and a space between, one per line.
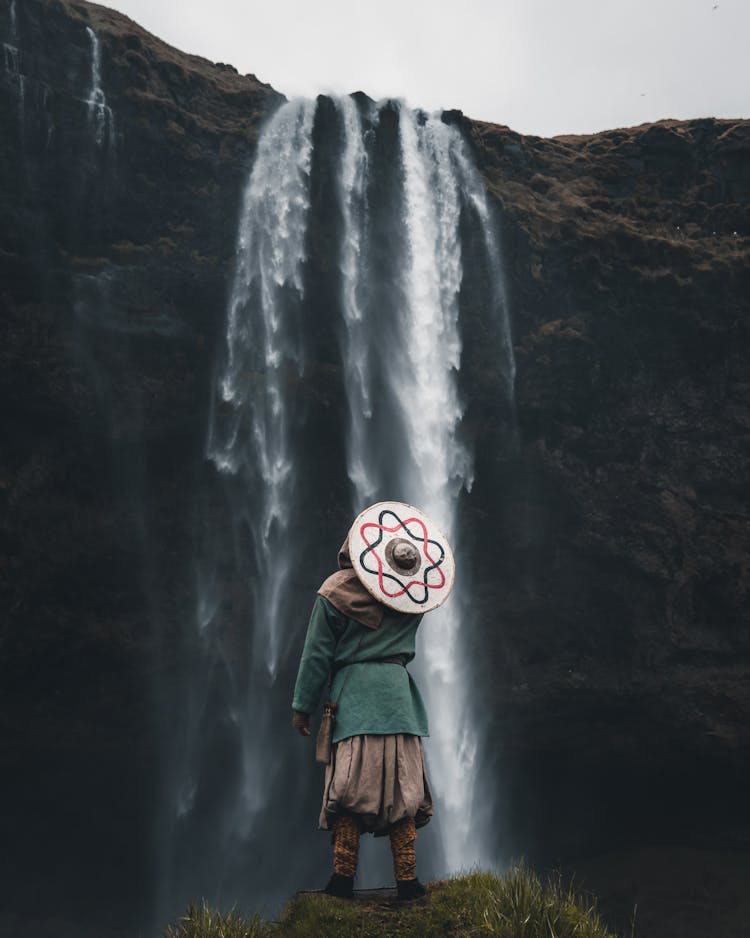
326, 605
332, 582
334, 616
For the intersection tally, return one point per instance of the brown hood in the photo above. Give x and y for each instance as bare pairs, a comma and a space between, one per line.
345, 592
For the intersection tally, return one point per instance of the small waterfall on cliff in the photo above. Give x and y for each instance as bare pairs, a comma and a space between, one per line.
100, 114
12, 63
401, 194
13, 72
32, 93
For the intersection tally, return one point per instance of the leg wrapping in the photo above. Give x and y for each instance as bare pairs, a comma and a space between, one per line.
345, 845
403, 836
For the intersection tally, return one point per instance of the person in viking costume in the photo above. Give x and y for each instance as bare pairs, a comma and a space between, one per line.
394, 566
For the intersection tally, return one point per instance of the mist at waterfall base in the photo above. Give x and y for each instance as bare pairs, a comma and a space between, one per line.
337, 384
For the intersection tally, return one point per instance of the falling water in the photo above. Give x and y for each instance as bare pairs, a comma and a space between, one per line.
420, 370
99, 113
440, 465
262, 348
10, 60
12, 63
406, 189
33, 93
254, 438
228, 752
439, 179
355, 352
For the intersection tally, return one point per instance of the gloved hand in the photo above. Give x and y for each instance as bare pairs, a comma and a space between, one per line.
301, 722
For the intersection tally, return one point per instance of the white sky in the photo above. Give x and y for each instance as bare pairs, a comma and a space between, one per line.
541, 66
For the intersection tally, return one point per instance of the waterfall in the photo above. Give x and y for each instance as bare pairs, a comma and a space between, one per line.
440, 465
355, 353
33, 93
255, 439
12, 63
404, 189
256, 442
439, 179
99, 113
419, 369
234, 713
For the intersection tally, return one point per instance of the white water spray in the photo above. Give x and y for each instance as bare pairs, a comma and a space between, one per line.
421, 368
249, 438
261, 350
475, 194
441, 466
352, 180
99, 113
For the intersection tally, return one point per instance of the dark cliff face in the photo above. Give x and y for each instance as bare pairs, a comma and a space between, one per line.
622, 595
114, 261
614, 596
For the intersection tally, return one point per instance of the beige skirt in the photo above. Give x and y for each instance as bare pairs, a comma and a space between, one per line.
380, 779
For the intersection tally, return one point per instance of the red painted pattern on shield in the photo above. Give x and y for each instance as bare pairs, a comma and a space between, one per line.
402, 524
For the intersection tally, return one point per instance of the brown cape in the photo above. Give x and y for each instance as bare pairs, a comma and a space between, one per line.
344, 590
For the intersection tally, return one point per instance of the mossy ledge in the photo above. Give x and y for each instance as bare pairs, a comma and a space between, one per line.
517, 904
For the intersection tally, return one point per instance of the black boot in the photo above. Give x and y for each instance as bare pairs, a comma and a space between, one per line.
410, 889
340, 886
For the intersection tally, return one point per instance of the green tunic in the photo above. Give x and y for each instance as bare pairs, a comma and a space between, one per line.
372, 697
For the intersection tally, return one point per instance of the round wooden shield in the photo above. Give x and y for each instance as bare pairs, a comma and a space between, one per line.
401, 557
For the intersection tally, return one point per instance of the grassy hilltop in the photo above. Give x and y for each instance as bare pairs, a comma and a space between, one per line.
516, 905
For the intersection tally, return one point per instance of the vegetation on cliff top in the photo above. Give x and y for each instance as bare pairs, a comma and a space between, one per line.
516, 905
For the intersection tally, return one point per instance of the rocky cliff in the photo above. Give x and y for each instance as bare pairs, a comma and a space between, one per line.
615, 528
623, 526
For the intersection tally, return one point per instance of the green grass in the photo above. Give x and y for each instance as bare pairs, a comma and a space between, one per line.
201, 921
515, 905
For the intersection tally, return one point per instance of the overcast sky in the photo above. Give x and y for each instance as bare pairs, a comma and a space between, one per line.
541, 66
